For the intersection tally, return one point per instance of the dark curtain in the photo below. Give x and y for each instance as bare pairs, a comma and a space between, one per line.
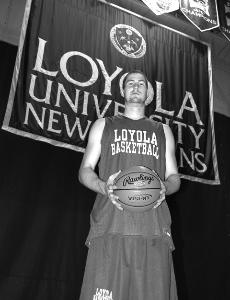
44, 218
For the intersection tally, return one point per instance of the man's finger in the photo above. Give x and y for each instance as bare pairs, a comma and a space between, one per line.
117, 205
158, 203
111, 187
113, 176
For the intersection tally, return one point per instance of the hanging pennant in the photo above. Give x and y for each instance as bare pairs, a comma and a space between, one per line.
224, 15
160, 7
202, 13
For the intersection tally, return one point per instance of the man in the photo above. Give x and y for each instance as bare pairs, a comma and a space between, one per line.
129, 252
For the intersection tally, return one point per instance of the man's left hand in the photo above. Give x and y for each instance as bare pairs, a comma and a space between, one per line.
162, 195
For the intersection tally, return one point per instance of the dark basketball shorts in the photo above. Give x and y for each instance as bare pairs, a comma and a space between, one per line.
129, 268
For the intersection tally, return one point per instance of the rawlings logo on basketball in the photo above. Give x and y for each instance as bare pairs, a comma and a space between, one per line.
139, 180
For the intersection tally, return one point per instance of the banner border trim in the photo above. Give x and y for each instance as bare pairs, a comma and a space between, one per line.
42, 138
5, 125
9, 107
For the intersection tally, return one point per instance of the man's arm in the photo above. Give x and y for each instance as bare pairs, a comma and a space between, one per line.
172, 178
87, 175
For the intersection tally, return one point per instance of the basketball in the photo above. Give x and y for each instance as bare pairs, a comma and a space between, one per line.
138, 188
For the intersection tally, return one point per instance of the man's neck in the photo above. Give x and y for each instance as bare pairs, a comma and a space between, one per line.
135, 112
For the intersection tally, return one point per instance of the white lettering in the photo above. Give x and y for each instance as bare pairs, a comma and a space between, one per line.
48, 90
159, 100
63, 66
192, 108
99, 114
197, 136
189, 162
61, 90
108, 79
29, 108
139, 136
179, 131
204, 167
39, 59
85, 103
124, 135
52, 120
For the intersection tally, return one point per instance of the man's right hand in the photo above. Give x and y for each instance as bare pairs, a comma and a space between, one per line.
110, 186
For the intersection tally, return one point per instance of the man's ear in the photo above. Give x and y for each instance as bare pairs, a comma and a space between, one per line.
150, 94
121, 84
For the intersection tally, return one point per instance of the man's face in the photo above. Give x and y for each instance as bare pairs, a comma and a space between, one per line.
135, 90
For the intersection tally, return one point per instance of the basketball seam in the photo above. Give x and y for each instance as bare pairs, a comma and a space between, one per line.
137, 206
137, 189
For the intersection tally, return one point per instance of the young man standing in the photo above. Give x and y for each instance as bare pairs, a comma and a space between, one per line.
129, 255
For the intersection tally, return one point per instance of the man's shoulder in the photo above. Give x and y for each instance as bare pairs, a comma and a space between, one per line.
113, 119
168, 132
98, 125
166, 127
100, 121
155, 122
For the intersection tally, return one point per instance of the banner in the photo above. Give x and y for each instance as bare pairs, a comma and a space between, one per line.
160, 7
70, 69
202, 13
224, 15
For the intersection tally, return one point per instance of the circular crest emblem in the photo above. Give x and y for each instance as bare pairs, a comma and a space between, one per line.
128, 40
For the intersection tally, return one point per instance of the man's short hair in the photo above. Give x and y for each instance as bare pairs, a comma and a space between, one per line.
134, 72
